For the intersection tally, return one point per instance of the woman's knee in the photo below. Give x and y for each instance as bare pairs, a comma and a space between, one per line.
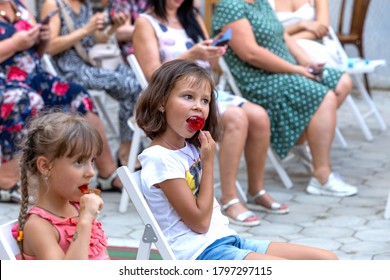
257, 116
344, 85
234, 118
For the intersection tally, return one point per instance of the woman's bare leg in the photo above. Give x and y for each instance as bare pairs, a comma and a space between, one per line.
235, 129
343, 88
320, 134
256, 147
105, 163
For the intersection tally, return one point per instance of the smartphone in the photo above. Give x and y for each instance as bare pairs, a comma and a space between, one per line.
316, 72
48, 17
224, 39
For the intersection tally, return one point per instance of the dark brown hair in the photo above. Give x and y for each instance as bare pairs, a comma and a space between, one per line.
163, 80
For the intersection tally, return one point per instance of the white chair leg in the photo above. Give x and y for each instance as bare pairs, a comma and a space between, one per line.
341, 138
279, 168
135, 144
371, 104
366, 131
97, 98
387, 209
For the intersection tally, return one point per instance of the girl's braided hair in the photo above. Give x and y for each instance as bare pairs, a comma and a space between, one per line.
53, 135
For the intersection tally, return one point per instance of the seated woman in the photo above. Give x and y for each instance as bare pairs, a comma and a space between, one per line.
124, 34
173, 30
120, 84
307, 22
274, 72
25, 89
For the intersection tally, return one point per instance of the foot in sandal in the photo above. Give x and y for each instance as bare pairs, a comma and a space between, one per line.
263, 202
246, 218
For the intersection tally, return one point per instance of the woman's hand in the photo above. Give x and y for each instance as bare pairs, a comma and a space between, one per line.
119, 19
319, 29
205, 51
44, 39
25, 39
96, 22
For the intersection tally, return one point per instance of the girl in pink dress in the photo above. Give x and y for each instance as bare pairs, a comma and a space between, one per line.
57, 165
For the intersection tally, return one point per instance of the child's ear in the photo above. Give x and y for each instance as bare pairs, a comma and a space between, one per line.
43, 165
161, 109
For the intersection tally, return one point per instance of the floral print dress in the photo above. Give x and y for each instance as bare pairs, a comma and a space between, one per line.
25, 89
131, 7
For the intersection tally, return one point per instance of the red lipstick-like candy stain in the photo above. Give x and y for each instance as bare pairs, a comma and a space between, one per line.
196, 123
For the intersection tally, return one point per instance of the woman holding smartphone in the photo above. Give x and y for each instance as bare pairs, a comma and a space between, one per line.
88, 30
25, 89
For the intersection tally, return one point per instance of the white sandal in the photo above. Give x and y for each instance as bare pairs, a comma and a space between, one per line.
105, 184
240, 220
276, 207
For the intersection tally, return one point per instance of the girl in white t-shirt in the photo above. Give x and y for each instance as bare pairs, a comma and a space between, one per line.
178, 112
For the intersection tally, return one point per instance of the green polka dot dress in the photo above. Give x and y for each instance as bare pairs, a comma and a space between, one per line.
290, 99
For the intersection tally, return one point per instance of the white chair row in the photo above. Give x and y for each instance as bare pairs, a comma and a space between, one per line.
356, 67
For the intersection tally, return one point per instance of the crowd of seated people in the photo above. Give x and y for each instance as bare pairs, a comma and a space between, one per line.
286, 102
26, 89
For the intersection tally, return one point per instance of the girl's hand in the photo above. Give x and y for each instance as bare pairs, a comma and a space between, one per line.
96, 22
207, 146
90, 206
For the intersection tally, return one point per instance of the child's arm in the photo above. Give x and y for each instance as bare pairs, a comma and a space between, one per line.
196, 213
41, 238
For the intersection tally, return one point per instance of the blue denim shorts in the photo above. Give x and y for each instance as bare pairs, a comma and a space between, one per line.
233, 247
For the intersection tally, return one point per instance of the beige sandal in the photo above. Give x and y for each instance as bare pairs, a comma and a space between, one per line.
276, 207
241, 219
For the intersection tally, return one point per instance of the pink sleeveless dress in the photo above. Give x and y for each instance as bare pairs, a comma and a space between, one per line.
66, 228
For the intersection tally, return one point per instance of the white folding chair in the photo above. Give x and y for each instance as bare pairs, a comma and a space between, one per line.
387, 209
9, 247
227, 78
152, 232
357, 67
138, 133
98, 96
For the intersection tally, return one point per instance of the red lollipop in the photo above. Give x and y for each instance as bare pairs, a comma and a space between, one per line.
196, 123
84, 189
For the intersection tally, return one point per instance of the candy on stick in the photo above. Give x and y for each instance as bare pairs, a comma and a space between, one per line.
196, 123
85, 190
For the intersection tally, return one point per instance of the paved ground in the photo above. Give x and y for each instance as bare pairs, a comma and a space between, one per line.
354, 228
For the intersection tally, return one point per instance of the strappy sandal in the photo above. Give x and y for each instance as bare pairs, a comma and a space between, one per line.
276, 207
241, 219
11, 195
106, 184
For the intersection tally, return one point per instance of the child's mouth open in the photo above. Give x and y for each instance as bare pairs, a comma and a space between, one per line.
196, 123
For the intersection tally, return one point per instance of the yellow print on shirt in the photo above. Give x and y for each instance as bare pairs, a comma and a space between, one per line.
193, 177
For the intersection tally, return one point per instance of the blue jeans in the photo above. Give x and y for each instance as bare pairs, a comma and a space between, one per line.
233, 247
